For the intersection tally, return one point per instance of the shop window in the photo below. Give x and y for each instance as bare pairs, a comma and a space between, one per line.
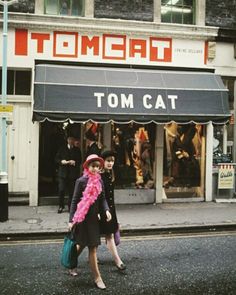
184, 150
18, 82
222, 150
178, 11
65, 7
134, 146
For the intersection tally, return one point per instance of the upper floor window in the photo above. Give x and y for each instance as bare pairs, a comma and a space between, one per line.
178, 11
18, 82
65, 7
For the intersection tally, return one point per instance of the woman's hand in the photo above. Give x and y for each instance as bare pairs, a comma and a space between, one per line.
70, 225
108, 215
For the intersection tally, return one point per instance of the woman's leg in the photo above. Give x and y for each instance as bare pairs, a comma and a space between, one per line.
93, 262
73, 271
94, 267
113, 249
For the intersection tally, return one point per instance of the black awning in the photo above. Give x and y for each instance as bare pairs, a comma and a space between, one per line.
122, 95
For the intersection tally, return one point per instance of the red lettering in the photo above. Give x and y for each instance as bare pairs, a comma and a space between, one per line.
21, 42
40, 38
89, 43
161, 49
114, 47
137, 46
65, 44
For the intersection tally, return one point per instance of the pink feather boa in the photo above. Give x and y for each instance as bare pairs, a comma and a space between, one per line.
90, 195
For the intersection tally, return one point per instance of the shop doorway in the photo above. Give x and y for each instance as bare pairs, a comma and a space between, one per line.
52, 137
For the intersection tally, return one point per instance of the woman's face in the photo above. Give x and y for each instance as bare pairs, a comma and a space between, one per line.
94, 167
108, 163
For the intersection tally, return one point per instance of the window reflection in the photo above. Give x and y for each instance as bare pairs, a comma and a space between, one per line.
65, 7
183, 166
177, 11
134, 147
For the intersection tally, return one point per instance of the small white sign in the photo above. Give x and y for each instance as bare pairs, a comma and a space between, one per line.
226, 177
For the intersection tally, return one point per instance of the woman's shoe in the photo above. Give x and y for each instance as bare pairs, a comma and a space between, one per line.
73, 272
60, 210
99, 284
121, 267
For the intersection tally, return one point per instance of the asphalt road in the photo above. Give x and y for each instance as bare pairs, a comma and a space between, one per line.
156, 265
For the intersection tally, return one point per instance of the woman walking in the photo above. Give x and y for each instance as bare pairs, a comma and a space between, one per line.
84, 213
110, 228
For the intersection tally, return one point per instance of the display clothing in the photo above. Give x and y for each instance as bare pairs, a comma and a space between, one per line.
146, 165
87, 232
185, 167
112, 226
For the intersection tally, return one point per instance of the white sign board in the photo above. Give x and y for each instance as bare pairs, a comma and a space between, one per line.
226, 177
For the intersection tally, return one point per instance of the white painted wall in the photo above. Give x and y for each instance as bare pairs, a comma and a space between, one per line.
224, 61
209, 161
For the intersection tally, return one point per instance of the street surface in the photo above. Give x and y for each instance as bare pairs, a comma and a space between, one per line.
155, 265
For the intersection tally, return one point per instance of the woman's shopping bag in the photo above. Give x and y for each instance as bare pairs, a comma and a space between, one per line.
117, 236
69, 254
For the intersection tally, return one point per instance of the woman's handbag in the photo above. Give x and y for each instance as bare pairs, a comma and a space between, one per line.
69, 252
117, 236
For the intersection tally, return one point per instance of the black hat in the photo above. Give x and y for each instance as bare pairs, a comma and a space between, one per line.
90, 135
107, 154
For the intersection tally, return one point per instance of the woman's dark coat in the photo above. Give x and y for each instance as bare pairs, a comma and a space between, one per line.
112, 226
87, 232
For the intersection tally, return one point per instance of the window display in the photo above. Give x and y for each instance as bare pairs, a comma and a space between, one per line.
218, 147
183, 161
134, 146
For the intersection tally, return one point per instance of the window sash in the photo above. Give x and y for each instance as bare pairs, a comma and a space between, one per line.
181, 11
64, 7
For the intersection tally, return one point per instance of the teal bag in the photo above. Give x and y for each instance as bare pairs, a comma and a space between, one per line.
69, 254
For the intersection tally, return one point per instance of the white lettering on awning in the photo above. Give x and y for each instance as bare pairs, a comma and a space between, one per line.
146, 104
159, 102
127, 102
99, 96
173, 98
112, 100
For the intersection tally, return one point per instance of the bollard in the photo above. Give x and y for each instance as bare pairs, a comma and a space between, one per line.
3, 198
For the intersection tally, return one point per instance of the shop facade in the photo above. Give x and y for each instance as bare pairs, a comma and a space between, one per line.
150, 95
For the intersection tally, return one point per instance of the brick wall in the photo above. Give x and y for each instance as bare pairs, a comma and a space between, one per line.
221, 13
124, 9
24, 6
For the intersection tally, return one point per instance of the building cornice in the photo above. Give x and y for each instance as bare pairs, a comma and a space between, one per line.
110, 26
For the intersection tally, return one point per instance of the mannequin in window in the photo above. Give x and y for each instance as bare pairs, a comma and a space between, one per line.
185, 169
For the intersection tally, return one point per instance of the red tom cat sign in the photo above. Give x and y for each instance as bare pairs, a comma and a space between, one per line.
113, 48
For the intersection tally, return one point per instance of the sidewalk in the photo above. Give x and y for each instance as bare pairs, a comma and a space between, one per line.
25, 220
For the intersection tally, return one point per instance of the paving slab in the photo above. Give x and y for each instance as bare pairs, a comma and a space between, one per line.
45, 219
